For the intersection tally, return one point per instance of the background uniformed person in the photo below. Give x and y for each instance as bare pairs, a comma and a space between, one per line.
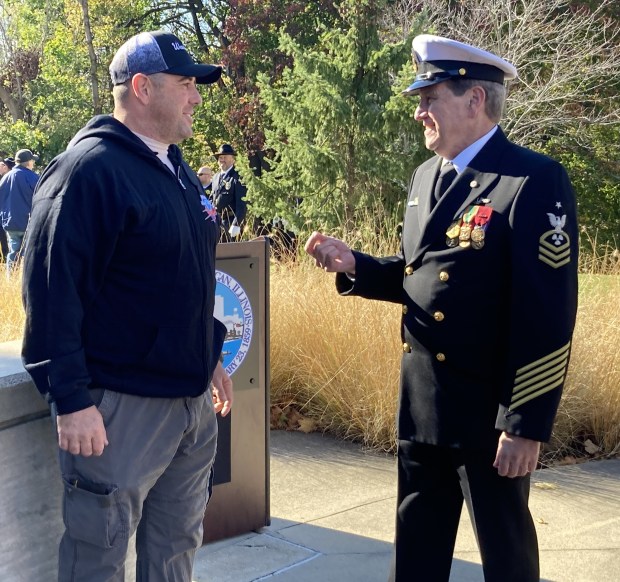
487, 276
229, 194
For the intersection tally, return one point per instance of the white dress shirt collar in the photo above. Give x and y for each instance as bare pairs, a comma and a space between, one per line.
469, 153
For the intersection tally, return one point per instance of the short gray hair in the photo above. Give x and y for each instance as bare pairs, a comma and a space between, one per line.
495, 95
122, 91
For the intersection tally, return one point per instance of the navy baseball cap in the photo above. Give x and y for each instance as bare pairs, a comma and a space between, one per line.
23, 156
158, 52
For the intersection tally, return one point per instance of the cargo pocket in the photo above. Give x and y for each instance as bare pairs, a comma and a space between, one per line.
92, 512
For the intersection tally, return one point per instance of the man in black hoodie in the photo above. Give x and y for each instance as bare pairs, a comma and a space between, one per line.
120, 337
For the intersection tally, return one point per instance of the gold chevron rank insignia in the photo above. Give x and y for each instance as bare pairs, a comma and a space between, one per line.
540, 377
554, 245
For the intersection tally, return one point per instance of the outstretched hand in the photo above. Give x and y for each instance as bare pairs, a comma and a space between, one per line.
330, 254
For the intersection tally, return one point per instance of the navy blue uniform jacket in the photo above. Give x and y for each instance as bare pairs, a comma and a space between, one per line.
486, 331
229, 197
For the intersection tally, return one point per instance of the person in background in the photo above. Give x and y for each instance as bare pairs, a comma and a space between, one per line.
5, 166
119, 289
16, 190
229, 194
487, 280
205, 175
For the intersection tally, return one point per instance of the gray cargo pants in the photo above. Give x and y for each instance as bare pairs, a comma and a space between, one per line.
153, 476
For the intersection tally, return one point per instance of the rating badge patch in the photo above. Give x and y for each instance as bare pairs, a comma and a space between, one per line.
554, 245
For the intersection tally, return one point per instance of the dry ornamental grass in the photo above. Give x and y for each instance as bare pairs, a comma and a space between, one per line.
337, 361
11, 310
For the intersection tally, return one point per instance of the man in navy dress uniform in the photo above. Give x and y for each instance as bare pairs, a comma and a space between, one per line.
487, 279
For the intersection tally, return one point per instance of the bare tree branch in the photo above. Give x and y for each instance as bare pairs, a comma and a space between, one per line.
94, 82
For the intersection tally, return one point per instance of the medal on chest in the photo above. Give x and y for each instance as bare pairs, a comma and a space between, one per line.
470, 229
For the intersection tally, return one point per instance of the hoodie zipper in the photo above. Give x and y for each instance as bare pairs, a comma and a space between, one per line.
199, 245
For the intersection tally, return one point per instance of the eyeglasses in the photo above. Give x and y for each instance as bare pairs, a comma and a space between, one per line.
204, 174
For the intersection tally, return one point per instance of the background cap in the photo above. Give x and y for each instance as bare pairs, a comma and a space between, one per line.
9, 162
25, 156
225, 148
439, 59
158, 52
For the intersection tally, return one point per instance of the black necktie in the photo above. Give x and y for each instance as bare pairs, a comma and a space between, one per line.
445, 178
220, 184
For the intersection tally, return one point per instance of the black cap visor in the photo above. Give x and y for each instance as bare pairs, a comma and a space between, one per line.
433, 72
204, 74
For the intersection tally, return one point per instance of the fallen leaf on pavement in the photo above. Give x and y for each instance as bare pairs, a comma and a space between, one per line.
545, 486
307, 425
591, 448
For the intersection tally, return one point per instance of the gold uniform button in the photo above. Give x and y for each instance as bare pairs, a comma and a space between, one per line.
406, 348
405, 310
444, 276
409, 270
439, 316
441, 357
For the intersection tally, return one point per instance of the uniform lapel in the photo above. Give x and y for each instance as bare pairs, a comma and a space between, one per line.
434, 225
418, 206
425, 197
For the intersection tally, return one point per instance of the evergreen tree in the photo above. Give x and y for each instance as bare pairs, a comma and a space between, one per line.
340, 136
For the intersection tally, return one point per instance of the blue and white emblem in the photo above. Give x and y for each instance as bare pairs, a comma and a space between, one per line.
233, 309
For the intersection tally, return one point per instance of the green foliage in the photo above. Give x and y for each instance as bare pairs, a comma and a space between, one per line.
19, 135
210, 128
338, 132
58, 99
256, 27
592, 159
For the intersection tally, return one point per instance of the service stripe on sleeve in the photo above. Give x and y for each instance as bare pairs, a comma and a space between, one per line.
536, 394
540, 377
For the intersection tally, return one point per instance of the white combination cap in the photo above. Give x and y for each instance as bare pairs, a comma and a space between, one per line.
438, 59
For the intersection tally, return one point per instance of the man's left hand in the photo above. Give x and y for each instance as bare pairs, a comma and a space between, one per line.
516, 456
222, 390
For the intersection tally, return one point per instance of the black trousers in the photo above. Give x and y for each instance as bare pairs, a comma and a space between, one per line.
432, 483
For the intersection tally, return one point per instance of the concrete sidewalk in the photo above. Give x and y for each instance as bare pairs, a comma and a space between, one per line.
332, 508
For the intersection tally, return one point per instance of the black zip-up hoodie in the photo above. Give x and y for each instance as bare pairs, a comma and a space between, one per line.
119, 278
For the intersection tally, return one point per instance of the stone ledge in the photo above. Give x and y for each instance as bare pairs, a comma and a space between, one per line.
30, 484
20, 401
